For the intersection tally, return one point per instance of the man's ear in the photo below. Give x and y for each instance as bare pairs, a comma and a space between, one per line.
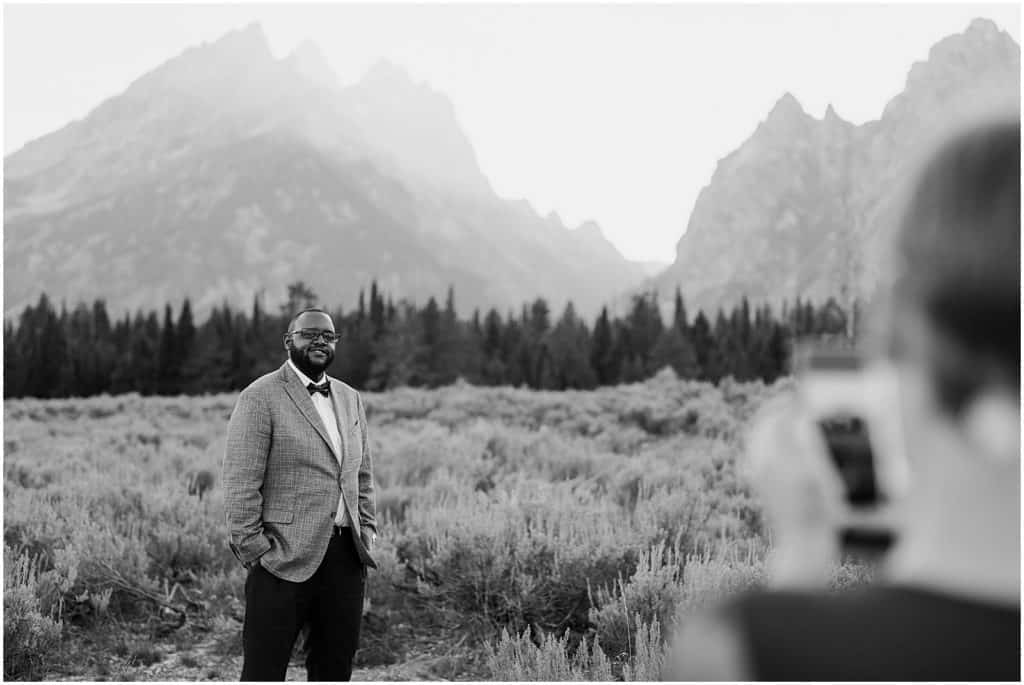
991, 423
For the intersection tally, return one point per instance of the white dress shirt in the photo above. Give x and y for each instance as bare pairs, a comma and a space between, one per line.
325, 408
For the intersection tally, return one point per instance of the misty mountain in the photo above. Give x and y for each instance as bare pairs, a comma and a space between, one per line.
225, 172
805, 206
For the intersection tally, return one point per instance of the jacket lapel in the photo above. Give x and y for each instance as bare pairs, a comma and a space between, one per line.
339, 418
300, 396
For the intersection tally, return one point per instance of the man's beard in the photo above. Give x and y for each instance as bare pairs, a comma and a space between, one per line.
307, 366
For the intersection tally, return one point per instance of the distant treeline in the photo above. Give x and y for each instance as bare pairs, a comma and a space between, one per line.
50, 353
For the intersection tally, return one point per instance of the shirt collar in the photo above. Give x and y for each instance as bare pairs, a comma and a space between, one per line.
306, 380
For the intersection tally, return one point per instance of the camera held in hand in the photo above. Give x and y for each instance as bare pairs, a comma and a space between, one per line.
852, 406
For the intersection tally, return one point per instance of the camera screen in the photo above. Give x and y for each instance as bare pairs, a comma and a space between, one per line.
850, 449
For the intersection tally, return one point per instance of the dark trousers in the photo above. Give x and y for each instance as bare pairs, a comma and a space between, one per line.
331, 602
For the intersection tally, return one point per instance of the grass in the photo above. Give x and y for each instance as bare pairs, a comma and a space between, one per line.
574, 518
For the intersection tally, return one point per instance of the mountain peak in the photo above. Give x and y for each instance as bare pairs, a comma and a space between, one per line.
981, 36
787, 107
785, 116
832, 119
555, 219
983, 28
978, 58
248, 40
809, 209
384, 72
590, 229
309, 62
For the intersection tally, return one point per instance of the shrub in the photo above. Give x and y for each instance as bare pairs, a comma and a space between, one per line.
520, 659
594, 512
523, 558
30, 636
648, 653
649, 597
707, 579
851, 574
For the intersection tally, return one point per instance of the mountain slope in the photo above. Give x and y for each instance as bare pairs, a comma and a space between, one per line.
225, 172
805, 206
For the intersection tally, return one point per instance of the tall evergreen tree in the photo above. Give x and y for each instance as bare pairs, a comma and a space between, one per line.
377, 312
601, 352
300, 296
703, 346
675, 350
644, 327
185, 343
679, 316
539, 317
168, 364
568, 354
492, 343
13, 363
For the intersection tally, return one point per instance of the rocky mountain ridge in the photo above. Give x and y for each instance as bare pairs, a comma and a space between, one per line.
225, 172
805, 207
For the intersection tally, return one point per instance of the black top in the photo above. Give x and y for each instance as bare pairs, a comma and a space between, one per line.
876, 633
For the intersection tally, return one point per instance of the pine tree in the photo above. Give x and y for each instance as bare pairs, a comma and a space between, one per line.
703, 345
644, 328
185, 352
300, 296
675, 350
145, 353
493, 371
427, 359
168, 364
61, 353
451, 349
539, 319
13, 363
377, 312
679, 317
514, 353
568, 347
601, 359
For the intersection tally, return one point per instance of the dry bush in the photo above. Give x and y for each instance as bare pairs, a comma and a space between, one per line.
30, 632
520, 659
650, 596
499, 507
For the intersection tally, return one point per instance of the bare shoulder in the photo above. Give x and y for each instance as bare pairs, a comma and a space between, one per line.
706, 647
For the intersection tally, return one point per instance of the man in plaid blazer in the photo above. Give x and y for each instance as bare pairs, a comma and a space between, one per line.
299, 496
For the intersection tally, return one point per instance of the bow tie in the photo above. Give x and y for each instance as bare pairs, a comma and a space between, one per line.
324, 388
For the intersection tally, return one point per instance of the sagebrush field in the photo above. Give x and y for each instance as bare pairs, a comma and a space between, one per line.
525, 534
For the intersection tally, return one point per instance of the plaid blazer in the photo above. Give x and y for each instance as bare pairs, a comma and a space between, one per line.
282, 480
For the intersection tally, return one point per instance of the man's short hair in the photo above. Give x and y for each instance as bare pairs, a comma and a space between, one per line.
318, 310
960, 247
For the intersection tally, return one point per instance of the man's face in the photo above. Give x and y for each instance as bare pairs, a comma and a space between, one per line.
307, 347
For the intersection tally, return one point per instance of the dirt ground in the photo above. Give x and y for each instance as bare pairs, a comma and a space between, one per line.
203, 653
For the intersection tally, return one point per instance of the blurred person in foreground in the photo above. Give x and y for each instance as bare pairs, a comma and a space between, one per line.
946, 601
299, 496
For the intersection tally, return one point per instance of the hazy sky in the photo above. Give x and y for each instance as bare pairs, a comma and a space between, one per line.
616, 113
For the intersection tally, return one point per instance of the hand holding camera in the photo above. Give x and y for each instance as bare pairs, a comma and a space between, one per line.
801, 496
827, 467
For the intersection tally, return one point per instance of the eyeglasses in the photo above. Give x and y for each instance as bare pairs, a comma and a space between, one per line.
311, 334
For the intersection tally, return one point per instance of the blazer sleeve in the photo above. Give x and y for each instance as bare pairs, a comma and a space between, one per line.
367, 493
245, 463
